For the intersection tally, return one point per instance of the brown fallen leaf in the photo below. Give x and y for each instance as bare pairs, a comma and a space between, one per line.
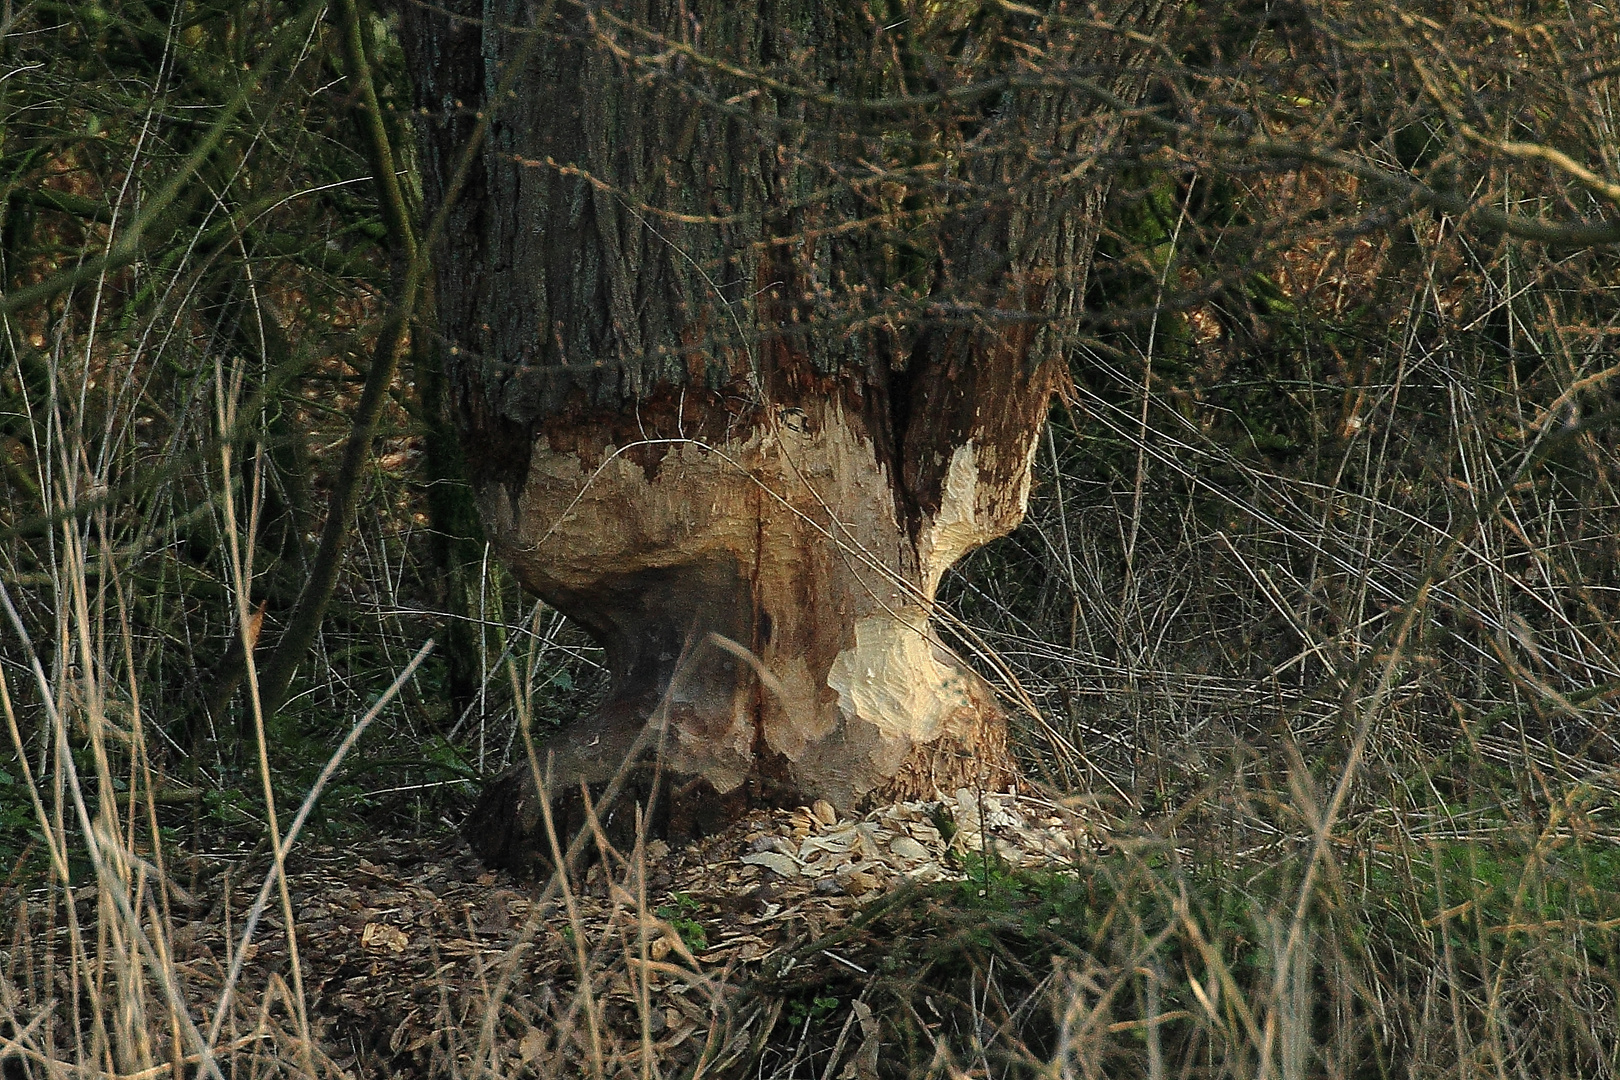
381, 936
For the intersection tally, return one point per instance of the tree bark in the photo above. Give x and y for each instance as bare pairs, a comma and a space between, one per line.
753, 313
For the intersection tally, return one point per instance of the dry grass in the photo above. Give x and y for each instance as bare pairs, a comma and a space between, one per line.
1318, 606
1352, 736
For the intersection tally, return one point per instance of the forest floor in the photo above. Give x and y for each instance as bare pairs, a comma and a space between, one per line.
414, 960
979, 935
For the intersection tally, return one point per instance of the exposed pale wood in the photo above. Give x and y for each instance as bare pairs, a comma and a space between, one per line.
787, 543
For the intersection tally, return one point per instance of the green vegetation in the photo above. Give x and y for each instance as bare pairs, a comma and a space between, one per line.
811, 1011
1145, 962
681, 916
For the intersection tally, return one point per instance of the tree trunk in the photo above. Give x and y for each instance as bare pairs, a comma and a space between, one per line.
753, 313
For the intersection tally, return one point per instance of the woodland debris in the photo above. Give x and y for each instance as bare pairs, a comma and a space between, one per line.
405, 943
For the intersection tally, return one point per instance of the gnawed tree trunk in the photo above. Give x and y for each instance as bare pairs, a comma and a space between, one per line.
753, 313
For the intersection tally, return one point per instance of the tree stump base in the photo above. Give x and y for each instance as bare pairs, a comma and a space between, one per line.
507, 827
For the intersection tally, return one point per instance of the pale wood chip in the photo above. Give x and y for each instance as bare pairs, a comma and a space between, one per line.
774, 861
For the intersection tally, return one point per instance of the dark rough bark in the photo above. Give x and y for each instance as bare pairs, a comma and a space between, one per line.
753, 313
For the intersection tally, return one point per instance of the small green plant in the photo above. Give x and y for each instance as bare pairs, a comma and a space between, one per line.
1029, 903
19, 827
811, 1010
679, 914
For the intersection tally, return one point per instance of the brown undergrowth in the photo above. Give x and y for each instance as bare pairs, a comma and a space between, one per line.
1015, 937
1313, 623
